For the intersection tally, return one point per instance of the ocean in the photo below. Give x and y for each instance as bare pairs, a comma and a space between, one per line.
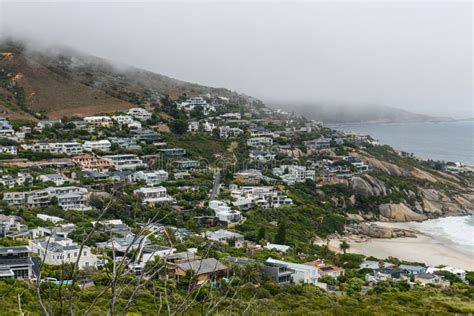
456, 230
448, 141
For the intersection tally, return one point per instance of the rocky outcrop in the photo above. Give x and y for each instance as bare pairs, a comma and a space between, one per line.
368, 186
399, 213
383, 166
376, 231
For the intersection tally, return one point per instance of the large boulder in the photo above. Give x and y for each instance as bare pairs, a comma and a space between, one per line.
368, 186
376, 231
399, 213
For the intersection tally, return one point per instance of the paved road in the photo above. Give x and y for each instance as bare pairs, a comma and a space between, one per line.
215, 186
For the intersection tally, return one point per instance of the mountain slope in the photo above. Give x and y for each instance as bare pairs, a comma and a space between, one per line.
339, 113
56, 82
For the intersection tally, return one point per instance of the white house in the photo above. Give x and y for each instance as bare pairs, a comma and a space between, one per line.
292, 174
123, 119
68, 148
224, 212
153, 195
97, 145
56, 178
5, 128
139, 113
11, 150
151, 178
263, 156
262, 196
208, 127
59, 250
277, 247
303, 273
125, 161
70, 197
223, 235
460, 273
196, 102
50, 218
260, 141
102, 121
193, 127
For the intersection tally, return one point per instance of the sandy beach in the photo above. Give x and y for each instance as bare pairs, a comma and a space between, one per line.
424, 249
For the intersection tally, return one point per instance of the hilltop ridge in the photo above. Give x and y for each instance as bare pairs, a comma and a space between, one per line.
55, 82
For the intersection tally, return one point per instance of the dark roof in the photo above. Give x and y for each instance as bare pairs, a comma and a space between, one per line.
15, 261
8, 250
390, 270
427, 276
202, 266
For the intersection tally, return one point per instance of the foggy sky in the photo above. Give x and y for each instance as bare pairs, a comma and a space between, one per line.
412, 55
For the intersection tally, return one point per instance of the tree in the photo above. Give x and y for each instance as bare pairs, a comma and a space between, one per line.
261, 233
280, 236
179, 126
344, 246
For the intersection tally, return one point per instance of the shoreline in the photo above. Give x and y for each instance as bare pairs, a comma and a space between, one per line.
431, 250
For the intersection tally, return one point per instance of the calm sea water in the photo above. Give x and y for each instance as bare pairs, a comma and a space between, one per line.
448, 141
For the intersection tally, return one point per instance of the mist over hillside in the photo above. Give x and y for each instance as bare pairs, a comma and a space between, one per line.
344, 113
54, 81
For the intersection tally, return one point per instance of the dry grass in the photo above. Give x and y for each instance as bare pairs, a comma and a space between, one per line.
56, 96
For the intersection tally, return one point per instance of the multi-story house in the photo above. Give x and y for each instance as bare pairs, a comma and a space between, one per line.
302, 273
58, 250
250, 176
5, 128
99, 121
186, 164
280, 273
227, 131
22, 178
123, 119
11, 150
12, 227
260, 132
125, 162
97, 145
193, 127
262, 156
208, 127
265, 196
56, 178
68, 148
47, 123
173, 152
153, 195
146, 135
319, 143
260, 142
196, 102
224, 212
151, 178
292, 174
15, 262
139, 114
89, 162
126, 143
70, 197
37, 147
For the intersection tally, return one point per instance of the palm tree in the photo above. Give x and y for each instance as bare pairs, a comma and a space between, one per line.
344, 246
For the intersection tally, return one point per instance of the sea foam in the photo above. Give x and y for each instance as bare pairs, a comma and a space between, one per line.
458, 230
